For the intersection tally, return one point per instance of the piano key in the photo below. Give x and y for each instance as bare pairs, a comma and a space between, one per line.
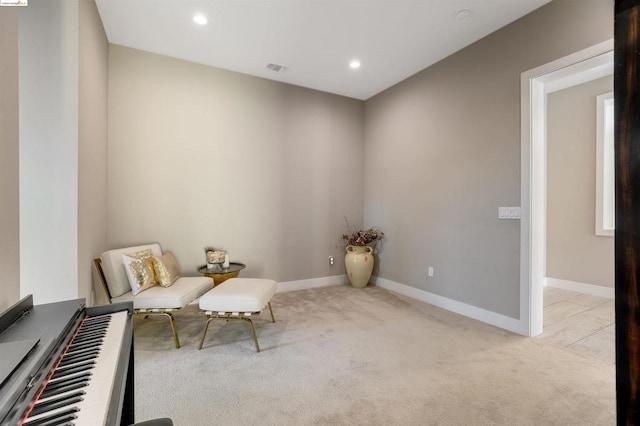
57, 402
82, 377
54, 419
97, 320
95, 326
69, 378
64, 388
83, 345
81, 350
77, 365
93, 336
93, 329
74, 369
78, 357
72, 390
90, 339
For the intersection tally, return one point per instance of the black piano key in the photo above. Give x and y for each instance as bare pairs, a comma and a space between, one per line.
90, 337
86, 333
82, 356
97, 320
104, 317
95, 329
94, 326
80, 350
78, 378
83, 345
68, 387
76, 365
72, 370
56, 419
66, 380
55, 403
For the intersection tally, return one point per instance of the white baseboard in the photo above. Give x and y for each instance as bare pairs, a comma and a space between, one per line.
312, 283
464, 309
595, 290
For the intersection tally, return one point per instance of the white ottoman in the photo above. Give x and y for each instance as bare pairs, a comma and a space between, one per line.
238, 298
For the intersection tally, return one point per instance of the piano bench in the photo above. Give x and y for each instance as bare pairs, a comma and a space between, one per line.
238, 299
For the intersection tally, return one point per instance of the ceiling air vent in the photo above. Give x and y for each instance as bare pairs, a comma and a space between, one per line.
277, 68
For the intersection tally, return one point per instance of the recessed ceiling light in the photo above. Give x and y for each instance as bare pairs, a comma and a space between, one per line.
200, 19
354, 64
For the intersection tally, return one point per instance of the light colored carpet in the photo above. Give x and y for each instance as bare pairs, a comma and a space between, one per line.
341, 355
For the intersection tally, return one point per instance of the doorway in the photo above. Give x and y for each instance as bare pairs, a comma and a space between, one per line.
580, 67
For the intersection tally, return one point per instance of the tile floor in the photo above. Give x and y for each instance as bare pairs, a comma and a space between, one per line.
580, 322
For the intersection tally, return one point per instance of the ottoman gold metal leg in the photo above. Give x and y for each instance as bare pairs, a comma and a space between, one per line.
226, 316
206, 326
253, 333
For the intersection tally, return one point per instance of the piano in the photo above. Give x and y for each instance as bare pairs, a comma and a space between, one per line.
66, 364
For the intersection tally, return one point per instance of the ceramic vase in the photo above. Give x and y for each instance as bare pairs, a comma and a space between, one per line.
359, 264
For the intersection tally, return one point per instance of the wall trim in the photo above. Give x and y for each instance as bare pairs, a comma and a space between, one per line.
498, 320
312, 283
595, 290
470, 311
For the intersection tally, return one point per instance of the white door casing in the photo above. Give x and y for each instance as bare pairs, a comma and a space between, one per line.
580, 67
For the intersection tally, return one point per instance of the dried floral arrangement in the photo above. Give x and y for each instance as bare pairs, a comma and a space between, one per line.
363, 237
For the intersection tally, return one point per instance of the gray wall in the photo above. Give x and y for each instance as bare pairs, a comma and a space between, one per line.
574, 252
200, 156
443, 153
93, 87
9, 200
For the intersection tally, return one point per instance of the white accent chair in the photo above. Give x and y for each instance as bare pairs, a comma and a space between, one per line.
155, 300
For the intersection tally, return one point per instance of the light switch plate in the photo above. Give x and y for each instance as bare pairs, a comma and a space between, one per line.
508, 212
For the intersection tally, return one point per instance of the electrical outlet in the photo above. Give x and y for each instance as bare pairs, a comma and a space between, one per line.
330, 260
430, 271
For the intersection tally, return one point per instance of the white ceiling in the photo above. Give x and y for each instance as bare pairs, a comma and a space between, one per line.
315, 39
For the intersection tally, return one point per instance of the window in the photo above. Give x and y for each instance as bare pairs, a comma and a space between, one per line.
605, 181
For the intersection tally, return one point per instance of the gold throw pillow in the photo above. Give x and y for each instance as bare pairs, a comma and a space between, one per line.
166, 268
139, 269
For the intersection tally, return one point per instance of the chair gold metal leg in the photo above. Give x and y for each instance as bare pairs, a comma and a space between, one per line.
173, 328
253, 333
206, 327
271, 310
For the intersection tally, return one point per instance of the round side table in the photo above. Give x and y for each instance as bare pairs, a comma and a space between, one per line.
220, 274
